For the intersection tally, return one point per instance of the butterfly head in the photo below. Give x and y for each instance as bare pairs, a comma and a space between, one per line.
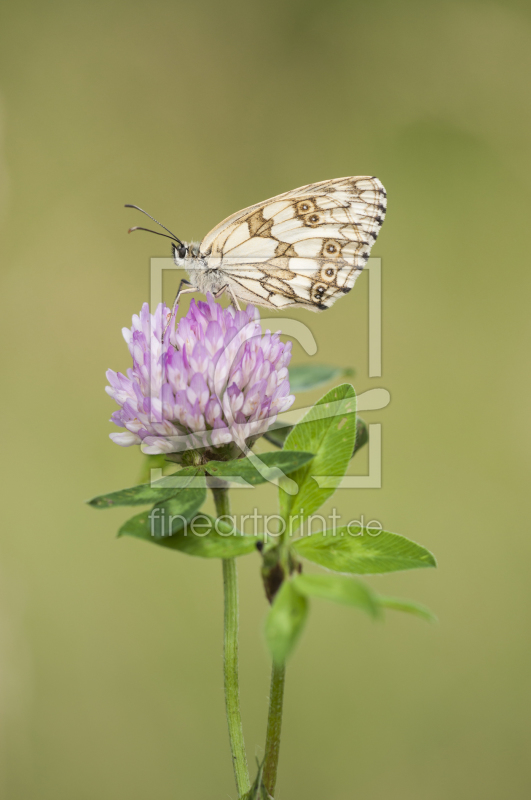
180, 251
184, 251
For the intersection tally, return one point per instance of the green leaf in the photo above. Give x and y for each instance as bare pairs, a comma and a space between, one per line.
268, 463
285, 621
339, 589
329, 431
278, 434
362, 435
165, 519
209, 538
409, 606
363, 552
146, 493
304, 377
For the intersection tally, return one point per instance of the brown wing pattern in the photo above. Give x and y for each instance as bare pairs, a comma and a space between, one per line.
305, 247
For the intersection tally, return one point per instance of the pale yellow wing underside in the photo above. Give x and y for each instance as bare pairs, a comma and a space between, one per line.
301, 248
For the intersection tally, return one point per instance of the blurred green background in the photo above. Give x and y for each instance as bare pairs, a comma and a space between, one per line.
110, 650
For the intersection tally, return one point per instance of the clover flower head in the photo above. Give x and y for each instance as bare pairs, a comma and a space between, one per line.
213, 383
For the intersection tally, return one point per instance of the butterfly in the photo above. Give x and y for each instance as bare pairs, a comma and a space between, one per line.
304, 248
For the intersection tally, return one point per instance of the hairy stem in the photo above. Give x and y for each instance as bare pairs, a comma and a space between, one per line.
274, 726
230, 659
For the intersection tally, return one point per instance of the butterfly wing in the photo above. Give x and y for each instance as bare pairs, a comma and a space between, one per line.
305, 247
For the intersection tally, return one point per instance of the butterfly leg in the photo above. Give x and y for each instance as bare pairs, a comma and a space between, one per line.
231, 294
180, 291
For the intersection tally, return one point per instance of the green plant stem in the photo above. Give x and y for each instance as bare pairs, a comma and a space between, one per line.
274, 726
230, 659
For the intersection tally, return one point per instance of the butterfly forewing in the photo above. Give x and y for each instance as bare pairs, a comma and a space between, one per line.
305, 247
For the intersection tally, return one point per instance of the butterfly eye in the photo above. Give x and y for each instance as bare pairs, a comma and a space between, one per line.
181, 252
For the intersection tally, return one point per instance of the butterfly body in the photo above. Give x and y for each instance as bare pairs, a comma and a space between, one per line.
204, 278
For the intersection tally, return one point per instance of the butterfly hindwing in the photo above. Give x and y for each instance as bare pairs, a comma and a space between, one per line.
305, 247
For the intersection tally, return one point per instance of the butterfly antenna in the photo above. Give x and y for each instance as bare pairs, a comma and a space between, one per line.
172, 235
158, 233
